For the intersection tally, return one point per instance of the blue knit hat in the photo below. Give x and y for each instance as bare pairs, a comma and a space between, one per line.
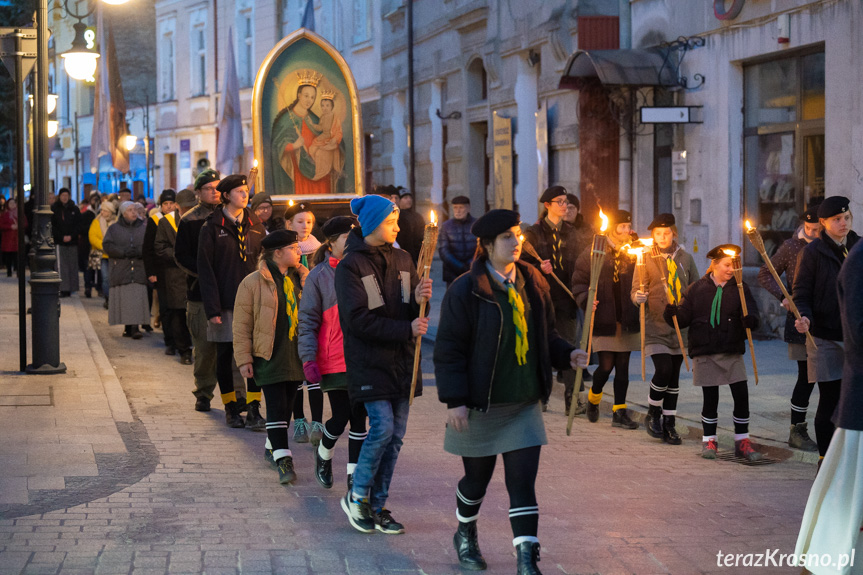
371, 211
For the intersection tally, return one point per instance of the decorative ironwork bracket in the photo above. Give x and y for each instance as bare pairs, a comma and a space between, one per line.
681, 46
453, 116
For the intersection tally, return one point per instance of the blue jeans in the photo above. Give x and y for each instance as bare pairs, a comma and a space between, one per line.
388, 421
105, 277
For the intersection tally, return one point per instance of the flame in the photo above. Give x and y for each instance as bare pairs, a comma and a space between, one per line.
290, 203
255, 165
730, 253
604, 218
749, 227
521, 238
646, 242
433, 218
635, 251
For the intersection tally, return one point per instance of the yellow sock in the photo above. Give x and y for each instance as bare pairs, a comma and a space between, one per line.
594, 398
618, 406
253, 396
229, 397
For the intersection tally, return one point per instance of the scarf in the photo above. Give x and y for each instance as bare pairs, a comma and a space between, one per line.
308, 246
290, 307
241, 239
520, 323
556, 262
715, 307
673, 279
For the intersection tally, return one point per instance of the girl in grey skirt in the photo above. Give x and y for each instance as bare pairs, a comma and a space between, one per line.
494, 351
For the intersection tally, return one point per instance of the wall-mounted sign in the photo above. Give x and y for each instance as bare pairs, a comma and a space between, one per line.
678, 166
669, 115
502, 140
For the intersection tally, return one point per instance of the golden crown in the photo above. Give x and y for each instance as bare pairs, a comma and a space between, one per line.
309, 78
328, 95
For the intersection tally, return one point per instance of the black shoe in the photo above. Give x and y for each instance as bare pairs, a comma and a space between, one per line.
186, 358
324, 470
147, 327
88, 293
592, 412
653, 421
467, 547
359, 513
669, 433
527, 555
268, 457
170, 350
65, 294
385, 523
232, 416
254, 421
620, 418
202, 404
287, 475
127, 332
136, 334
799, 438
105, 305
242, 406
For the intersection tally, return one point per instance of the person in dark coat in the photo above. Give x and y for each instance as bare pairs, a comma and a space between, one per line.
615, 321
554, 240
411, 225
832, 519
456, 244
91, 274
494, 387
262, 206
712, 311
785, 261
66, 225
172, 285
583, 231
379, 294
228, 251
814, 293
124, 243
9, 225
186, 256
153, 265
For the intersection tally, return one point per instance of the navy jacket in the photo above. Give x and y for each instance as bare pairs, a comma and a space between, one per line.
614, 302
814, 292
466, 345
456, 246
729, 336
65, 221
186, 246
375, 292
220, 267
539, 235
849, 413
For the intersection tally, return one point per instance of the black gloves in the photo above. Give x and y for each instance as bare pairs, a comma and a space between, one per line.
750, 322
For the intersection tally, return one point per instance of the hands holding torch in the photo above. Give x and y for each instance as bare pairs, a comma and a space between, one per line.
737, 264
656, 253
424, 268
638, 252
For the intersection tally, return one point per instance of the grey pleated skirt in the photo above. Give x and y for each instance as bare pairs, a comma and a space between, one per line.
67, 265
826, 362
504, 427
718, 369
620, 341
128, 305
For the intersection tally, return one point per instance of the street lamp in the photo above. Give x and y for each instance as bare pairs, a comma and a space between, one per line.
80, 60
130, 142
52, 102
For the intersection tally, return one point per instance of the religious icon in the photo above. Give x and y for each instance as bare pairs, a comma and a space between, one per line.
307, 129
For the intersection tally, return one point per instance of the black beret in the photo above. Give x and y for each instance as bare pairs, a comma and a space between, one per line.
206, 177
338, 225
460, 200
279, 239
718, 252
551, 193
168, 195
619, 217
810, 216
494, 222
573, 199
662, 221
297, 208
832, 206
230, 182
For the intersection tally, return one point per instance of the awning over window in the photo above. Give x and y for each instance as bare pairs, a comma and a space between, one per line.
618, 68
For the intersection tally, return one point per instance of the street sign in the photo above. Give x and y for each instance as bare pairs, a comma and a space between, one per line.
668, 115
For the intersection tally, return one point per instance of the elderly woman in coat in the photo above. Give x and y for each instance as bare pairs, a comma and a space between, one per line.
98, 229
124, 244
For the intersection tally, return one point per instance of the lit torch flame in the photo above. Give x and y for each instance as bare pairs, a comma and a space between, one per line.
604, 218
433, 218
290, 203
749, 227
635, 251
521, 238
255, 165
647, 242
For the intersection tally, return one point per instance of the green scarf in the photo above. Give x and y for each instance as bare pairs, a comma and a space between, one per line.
715, 308
520, 323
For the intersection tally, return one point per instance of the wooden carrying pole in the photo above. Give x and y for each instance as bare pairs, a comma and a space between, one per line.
642, 273
657, 254
424, 264
597, 257
755, 238
531, 251
738, 276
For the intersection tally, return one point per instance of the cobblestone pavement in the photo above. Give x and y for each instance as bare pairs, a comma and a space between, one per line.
188, 495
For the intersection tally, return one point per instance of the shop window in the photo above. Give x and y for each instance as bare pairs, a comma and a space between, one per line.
783, 145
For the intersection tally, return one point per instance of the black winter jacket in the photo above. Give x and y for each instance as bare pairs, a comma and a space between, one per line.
65, 221
614, 303
456, 246
186, 246
151, 263
849, 412
172, 282
375, 292
814, 292
784, 261
729, 336
220, 267
466, 345
123, 242
539, 235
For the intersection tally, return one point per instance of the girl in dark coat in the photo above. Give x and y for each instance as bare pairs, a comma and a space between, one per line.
712, 311
66, 225
493, 386
815, 295
615, 329
785, 261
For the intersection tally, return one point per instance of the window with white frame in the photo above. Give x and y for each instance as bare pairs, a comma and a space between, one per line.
198, 52
362, 28
167, 59
245, 44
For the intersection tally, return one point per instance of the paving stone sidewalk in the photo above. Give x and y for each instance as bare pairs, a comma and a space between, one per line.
193, 496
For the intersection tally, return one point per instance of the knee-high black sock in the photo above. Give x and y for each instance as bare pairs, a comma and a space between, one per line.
824, 428
471, 488
316, 401
740, 395
600, 375
800, 395
335, 426
298, 403
356, 435
621, 379
709, 409
521, 467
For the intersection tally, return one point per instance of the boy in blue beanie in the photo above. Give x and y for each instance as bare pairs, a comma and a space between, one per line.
379, 294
